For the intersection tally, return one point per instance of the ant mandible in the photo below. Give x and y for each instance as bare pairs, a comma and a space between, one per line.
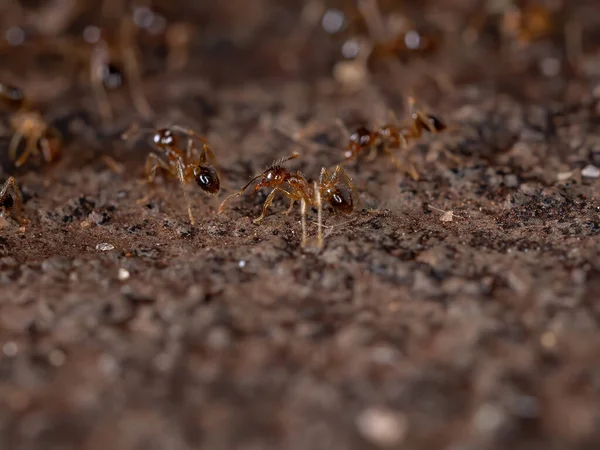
8, 202
185, 164
31, 126
300, 189
390, 137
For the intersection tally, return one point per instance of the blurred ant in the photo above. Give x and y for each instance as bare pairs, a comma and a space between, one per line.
300, 189
27, 124
186, 164
108, 53
390, 137
8, 202
396, 37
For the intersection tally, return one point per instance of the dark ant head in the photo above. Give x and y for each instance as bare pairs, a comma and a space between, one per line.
436, 123
112, 76
340, 199
273, 176
7, 203
164, 138
207, 178
362, 136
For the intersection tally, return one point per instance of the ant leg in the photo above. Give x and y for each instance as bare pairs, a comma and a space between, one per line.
303, 220
407, 167
98, 60
4, 194
269, 200
372, 154
153, 163
131, 63
14, 145
290, 208
181, 176
319, 216
29, 149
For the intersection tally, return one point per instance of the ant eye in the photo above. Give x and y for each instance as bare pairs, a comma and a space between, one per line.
112, 76
437, 124
7, 203
207, 179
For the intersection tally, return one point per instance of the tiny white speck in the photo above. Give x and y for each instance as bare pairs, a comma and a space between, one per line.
242, 264
590, 171
104, 247
382, 427
57, 357
412, 39
350, 49
10, 349
123, 274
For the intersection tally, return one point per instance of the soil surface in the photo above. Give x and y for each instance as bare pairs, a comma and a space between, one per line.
459, 311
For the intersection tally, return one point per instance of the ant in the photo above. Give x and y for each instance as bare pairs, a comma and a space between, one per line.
326, 190
186, 164
390, 137
31, 126
8, 202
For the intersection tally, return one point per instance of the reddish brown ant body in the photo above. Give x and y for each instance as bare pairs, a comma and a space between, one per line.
299, 189
390, 137
186, 164
29, 124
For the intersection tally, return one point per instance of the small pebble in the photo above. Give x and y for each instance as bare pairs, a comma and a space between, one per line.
104, 247
123, 274
10, 349
382, 427
590, 171
242, 264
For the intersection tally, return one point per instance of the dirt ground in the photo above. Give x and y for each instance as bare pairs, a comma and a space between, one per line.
455, 312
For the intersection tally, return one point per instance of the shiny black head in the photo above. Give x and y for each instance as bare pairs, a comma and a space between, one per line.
362, 136
165, 138
207, 178
340, 200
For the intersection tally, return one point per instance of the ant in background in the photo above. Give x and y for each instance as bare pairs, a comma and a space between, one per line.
186, 164
8, 202
396, 37
391, 137
27, 124
326, 189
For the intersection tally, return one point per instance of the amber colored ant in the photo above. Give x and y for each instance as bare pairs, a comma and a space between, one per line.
300, 189
185, 164
390, 137
7, 202
31, 126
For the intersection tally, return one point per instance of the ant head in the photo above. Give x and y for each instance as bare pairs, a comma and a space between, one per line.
207, 178
362, 136
164, 138
340, 199
436, 123
273, 176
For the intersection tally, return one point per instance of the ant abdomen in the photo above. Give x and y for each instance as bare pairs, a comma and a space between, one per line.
207, 178
340, 200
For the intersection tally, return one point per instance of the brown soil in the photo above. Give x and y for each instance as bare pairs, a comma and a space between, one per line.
123, 327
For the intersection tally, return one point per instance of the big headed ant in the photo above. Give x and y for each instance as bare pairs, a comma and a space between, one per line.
299, 189
186, 164
28, 124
